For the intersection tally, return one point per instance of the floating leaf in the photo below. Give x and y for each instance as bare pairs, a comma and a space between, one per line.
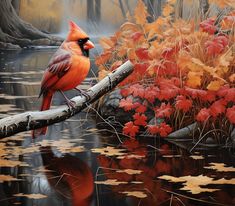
138, 194
112, 182
109, 151
31, 196
220, 167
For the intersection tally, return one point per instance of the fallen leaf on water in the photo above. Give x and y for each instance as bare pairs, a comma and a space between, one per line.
136, 182
197, 157
11, 163
110, 182
7, 178
220, 167
131, 156
171, 156
31, 196
109, 151
130, 171
138, 194
72, 149
193, 183
43, 169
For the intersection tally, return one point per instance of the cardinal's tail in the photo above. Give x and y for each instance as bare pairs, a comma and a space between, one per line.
46, 103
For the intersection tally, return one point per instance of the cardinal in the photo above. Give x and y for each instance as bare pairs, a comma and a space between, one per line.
67, 68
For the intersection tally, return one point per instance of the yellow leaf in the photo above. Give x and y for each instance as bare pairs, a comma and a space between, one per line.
128, 26
167, 10
194, 79
215, 85
156, 28
141, 13
223, 3
225, 59
232, 78
106, 43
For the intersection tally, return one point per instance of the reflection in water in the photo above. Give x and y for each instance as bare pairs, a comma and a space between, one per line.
69, 176
66, 164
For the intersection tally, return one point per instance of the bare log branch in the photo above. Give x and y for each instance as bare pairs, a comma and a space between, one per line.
37, 119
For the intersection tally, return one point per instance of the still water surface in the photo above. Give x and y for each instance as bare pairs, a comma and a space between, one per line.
72, 163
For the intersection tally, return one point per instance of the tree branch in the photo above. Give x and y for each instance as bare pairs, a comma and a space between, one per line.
37, 119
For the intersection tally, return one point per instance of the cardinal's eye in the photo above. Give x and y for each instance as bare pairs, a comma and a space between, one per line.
80, 41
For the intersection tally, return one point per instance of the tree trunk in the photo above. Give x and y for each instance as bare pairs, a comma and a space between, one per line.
122, 8
16, 5
90, 10
16, 31
179, 9
204, 6
98, 10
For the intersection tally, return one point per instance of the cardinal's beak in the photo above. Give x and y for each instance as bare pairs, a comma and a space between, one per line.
89, 45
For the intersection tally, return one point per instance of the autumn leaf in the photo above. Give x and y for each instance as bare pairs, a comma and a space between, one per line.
218, 107
228, 22
167, 10
140, 13
203, 115
164, 129
232, 78
153, 129
183, 104
137, 36
208, 26
230, 114
103, 58
142, 53
140, 119
194, 79
216, 45
130, 129
137, 90
126, 104
223, 3
151, 93
165, 110
215, 85
106, 43
141, 68
141, 108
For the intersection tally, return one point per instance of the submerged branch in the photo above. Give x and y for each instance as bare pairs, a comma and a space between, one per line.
38, 119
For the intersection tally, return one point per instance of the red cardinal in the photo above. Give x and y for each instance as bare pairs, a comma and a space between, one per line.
67, 68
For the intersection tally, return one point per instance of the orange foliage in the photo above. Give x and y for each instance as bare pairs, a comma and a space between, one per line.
189, 67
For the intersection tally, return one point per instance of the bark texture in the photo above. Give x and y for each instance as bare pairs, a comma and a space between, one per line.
16, 31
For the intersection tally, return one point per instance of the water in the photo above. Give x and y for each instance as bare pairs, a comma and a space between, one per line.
66, 168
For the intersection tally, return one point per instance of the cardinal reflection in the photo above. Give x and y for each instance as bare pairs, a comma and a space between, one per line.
70, 177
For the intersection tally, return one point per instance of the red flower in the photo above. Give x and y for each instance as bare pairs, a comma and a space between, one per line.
130, 129
230, 114
182, 103
203, 115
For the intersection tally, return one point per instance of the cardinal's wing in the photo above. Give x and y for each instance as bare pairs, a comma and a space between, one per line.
58, 66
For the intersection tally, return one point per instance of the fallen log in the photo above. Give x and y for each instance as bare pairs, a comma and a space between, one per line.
38, 119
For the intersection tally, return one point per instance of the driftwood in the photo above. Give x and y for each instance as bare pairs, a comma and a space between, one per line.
38, 119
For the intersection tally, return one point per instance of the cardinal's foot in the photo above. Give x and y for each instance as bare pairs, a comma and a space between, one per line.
84, 94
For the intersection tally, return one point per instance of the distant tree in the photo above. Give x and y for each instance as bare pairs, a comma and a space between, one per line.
16, 31
93, 10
